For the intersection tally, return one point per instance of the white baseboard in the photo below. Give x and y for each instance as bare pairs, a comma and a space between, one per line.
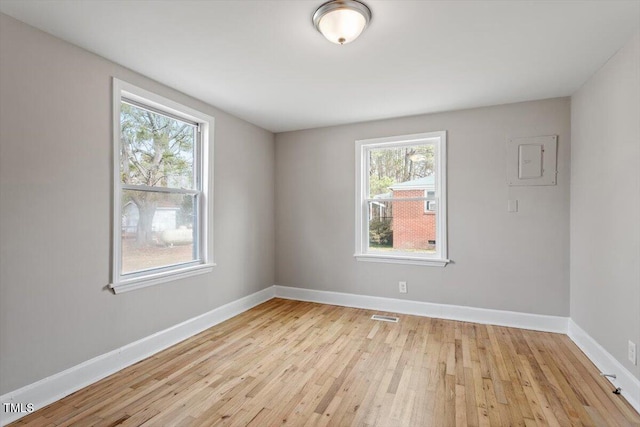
606, 363
55, 387
514, 319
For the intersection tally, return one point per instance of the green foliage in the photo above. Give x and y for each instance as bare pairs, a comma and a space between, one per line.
156, 151
388, 166
380, 232
380, 185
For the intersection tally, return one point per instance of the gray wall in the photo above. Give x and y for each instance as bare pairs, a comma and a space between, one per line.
605, 204
55, 222
508, 261
55, 200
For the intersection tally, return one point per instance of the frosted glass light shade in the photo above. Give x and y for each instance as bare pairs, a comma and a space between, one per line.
342, 26
341, 22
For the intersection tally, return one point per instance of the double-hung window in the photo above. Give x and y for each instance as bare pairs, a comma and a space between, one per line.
162, 200
401, 199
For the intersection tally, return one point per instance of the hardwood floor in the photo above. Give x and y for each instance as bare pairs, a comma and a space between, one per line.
301, 364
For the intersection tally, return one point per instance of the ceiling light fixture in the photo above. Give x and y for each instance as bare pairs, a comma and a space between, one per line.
342, 21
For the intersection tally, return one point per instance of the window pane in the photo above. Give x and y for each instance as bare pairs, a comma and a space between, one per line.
156, 150
408, 169
158, 230
401, 226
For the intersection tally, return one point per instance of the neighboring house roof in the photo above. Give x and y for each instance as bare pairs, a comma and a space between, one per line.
426, 183
384, 196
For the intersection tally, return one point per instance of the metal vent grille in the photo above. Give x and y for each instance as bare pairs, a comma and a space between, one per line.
385, 318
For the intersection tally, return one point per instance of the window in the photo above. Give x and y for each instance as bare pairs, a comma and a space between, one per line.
430, 203
162, 200
401, 201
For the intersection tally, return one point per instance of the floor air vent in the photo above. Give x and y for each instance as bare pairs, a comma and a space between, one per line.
385, 318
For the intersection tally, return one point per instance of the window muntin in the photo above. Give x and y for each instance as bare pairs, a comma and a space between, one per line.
161, 201
401, 199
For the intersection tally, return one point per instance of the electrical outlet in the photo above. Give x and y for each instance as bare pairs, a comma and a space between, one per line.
632, 352
402, 287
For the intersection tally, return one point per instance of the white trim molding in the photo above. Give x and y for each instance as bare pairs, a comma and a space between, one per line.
202, 189
154, 279
402, 260
57, 386
606, 363
438, 140
537, 322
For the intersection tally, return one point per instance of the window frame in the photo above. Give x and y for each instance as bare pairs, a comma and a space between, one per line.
362, 149
428, 202
203, 171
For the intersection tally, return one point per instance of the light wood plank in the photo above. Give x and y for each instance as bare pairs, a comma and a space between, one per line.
299, 363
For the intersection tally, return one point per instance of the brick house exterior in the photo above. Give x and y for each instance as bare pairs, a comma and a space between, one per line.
414, 223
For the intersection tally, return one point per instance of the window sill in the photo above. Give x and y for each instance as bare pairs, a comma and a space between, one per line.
157, 278
430, 262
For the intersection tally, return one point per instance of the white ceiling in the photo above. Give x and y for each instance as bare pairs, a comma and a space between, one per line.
264, 62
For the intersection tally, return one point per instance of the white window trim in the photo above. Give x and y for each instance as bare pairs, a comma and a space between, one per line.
439, 259
124, 283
